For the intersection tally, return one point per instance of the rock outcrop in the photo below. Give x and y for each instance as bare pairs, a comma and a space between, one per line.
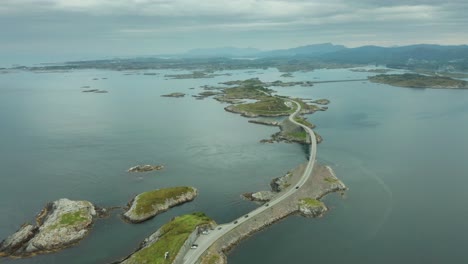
145, 168
148, 204
59, 225
281, 183
262, 196
311, 207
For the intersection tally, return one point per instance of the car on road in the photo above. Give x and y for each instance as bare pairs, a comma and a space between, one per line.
246, 216
194, 246
205, 232
235, 222
266, 205
219, 228
297, 187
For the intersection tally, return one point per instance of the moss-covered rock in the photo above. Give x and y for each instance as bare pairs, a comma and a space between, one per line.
60, 224
311, 207
148, 204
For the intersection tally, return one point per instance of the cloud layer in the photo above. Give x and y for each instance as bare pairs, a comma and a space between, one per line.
157, 26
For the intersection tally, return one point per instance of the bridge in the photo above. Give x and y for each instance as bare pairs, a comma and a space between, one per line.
205, 241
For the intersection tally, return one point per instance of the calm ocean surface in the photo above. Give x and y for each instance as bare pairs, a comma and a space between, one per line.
402, 152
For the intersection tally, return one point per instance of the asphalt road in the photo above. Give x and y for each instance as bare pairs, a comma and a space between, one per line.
205, 241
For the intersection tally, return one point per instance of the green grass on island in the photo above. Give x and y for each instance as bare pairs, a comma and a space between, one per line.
412, 80
147, 200
297, 135
244, 93
211, 259
173, 236
304, 121
71, 219
270, 105
311, 202
330, 180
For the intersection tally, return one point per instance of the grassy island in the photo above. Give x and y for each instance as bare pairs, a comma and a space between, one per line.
148, 204
171, 238
411, 80
147, 200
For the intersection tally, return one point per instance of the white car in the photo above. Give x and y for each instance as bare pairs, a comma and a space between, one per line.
194, 246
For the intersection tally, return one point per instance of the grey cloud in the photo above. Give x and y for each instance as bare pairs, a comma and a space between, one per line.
158, 26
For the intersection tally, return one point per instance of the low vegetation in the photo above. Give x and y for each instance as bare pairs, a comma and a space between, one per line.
172, 236
147, 200
312, 202
71, 219
300, 136
270, 105
330, 180
303, 121
211, 259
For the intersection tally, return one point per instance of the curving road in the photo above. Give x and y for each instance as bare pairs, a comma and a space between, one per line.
205, 241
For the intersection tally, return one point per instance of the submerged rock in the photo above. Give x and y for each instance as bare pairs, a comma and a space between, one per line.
148, 204
59, 225
145, 168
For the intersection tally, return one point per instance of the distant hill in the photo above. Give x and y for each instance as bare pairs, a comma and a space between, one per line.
221, 52
308, 51
328, 52
398, 55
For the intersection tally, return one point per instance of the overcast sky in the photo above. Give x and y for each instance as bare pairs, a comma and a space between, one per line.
57, 30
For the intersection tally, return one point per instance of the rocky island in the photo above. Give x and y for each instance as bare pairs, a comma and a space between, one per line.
175, 95
149, 204
411, 80
59, 225
94, 91
170, 242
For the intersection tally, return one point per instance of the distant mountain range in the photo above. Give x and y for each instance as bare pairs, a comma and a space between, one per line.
420, 58
328, 52
309, 50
